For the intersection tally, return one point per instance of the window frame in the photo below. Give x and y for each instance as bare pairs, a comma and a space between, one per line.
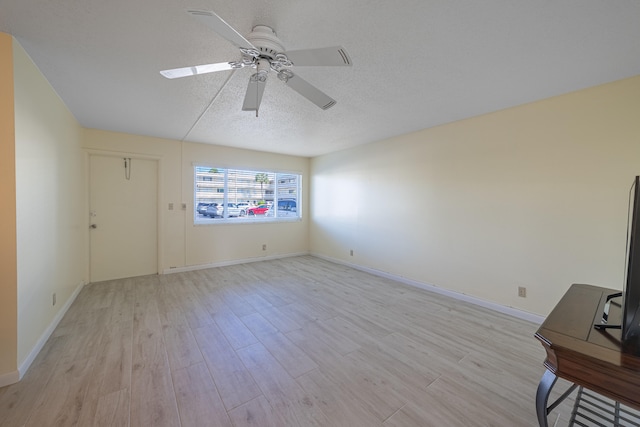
274, 194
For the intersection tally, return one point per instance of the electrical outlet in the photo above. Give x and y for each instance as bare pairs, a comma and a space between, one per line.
54, 298
522, 291
351, 252
264, 247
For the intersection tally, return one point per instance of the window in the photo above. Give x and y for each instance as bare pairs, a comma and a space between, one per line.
233, 195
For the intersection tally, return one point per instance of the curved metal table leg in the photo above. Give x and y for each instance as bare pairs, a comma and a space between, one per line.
542, 397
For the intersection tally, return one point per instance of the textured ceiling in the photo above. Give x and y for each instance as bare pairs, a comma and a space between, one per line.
417, 63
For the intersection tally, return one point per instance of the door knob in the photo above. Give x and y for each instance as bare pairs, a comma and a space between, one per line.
94, 226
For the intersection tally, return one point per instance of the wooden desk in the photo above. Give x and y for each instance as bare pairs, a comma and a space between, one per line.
583, 355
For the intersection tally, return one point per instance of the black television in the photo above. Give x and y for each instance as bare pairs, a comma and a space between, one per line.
631, 299
630, 322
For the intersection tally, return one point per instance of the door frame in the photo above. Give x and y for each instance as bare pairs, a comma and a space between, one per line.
159, 198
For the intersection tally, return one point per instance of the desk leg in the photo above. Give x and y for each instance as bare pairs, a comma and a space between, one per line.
542, 396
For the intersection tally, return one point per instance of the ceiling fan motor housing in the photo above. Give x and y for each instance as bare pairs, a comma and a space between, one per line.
266, 41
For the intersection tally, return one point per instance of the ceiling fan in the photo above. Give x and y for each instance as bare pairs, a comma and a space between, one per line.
262, 50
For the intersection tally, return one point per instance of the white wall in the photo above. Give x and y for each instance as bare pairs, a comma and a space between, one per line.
50, 204
184, 244
532, 196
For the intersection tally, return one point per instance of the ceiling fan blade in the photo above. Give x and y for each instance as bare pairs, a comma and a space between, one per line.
253, 97
310, 92
325, 56
221, 27
196, 69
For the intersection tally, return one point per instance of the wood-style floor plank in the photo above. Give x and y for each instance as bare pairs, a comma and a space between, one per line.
281, 390
198, 399
153, 400
18, 400
292, 342
234, 330
293, 360
257, 412
59, 402
338, 403
111, 373
233, 380
112, 410
258, 325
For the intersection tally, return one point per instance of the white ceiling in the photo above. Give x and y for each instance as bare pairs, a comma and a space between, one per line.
417, 63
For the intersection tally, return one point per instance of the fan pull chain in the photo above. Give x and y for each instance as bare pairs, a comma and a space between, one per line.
258, 90
127, 168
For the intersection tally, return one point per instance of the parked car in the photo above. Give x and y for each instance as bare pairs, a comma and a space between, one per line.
217, 211
243, 208
286, 208
257, 210
232, 209
212, 211
202, 208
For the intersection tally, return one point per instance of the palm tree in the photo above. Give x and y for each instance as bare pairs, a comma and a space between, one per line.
262, 178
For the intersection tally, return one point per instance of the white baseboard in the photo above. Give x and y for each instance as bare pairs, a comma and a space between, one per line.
26, 363
230, 262
520, 314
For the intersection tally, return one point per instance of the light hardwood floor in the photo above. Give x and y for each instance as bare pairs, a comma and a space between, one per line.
292, 342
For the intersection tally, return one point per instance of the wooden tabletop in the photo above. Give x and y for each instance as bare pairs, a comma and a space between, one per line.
577, 352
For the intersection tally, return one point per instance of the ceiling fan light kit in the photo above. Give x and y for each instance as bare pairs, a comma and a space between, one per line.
263, 50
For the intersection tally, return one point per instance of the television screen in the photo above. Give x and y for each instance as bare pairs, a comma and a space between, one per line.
631, 317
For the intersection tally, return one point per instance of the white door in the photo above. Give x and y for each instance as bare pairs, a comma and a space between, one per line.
123, 216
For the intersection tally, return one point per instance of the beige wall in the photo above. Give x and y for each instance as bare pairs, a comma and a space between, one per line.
228, 242
532, 196
183, 244
8, 259
51, 206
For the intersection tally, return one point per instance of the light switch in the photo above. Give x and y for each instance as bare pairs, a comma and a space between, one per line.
170, 206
